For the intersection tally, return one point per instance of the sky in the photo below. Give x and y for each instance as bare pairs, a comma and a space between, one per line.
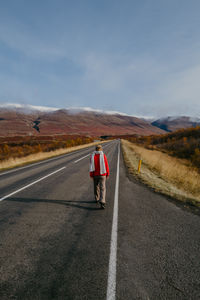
139, 57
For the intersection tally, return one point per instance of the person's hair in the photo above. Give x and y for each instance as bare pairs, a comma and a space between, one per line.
99, 148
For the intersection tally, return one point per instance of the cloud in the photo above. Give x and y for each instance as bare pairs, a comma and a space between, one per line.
27, 107
180, 93
18, 37
185, 85
103, 72
116, 73
110, 56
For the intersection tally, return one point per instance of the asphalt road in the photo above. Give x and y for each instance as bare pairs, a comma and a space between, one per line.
55, 242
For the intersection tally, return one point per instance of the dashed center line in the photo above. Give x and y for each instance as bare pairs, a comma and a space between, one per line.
30, 184
87, 155
81, 158
25, 187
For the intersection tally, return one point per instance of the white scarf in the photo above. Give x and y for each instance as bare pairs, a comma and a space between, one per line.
102, 162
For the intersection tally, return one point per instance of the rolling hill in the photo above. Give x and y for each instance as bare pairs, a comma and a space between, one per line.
30, 121
174, 123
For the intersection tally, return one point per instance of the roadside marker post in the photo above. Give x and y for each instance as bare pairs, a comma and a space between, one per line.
139, 165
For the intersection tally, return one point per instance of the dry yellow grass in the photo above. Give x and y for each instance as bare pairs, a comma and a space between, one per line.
15, 162
164, 173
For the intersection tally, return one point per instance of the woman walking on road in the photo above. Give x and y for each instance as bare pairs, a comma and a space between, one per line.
99, 171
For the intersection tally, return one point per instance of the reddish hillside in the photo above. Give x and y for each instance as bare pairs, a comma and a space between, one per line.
14, 123
174, 123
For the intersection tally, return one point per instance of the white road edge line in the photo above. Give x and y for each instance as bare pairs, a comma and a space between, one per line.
112, 271
30, 184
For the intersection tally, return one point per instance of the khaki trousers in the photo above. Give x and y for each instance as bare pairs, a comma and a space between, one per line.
100, 188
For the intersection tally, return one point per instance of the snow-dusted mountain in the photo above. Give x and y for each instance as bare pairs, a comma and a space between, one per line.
32, 108
176, 122
25, 107
17, 119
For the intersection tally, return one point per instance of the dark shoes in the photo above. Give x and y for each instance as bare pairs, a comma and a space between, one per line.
103, 205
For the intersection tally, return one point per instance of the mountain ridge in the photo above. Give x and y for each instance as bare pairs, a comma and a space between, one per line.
14, 121
173, 123
19, 119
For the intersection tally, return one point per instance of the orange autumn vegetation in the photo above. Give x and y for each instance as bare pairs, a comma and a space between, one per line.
184, 144
16, 147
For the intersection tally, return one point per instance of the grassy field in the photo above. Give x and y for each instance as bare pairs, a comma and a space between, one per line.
166, 174
15, 162
183, 143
